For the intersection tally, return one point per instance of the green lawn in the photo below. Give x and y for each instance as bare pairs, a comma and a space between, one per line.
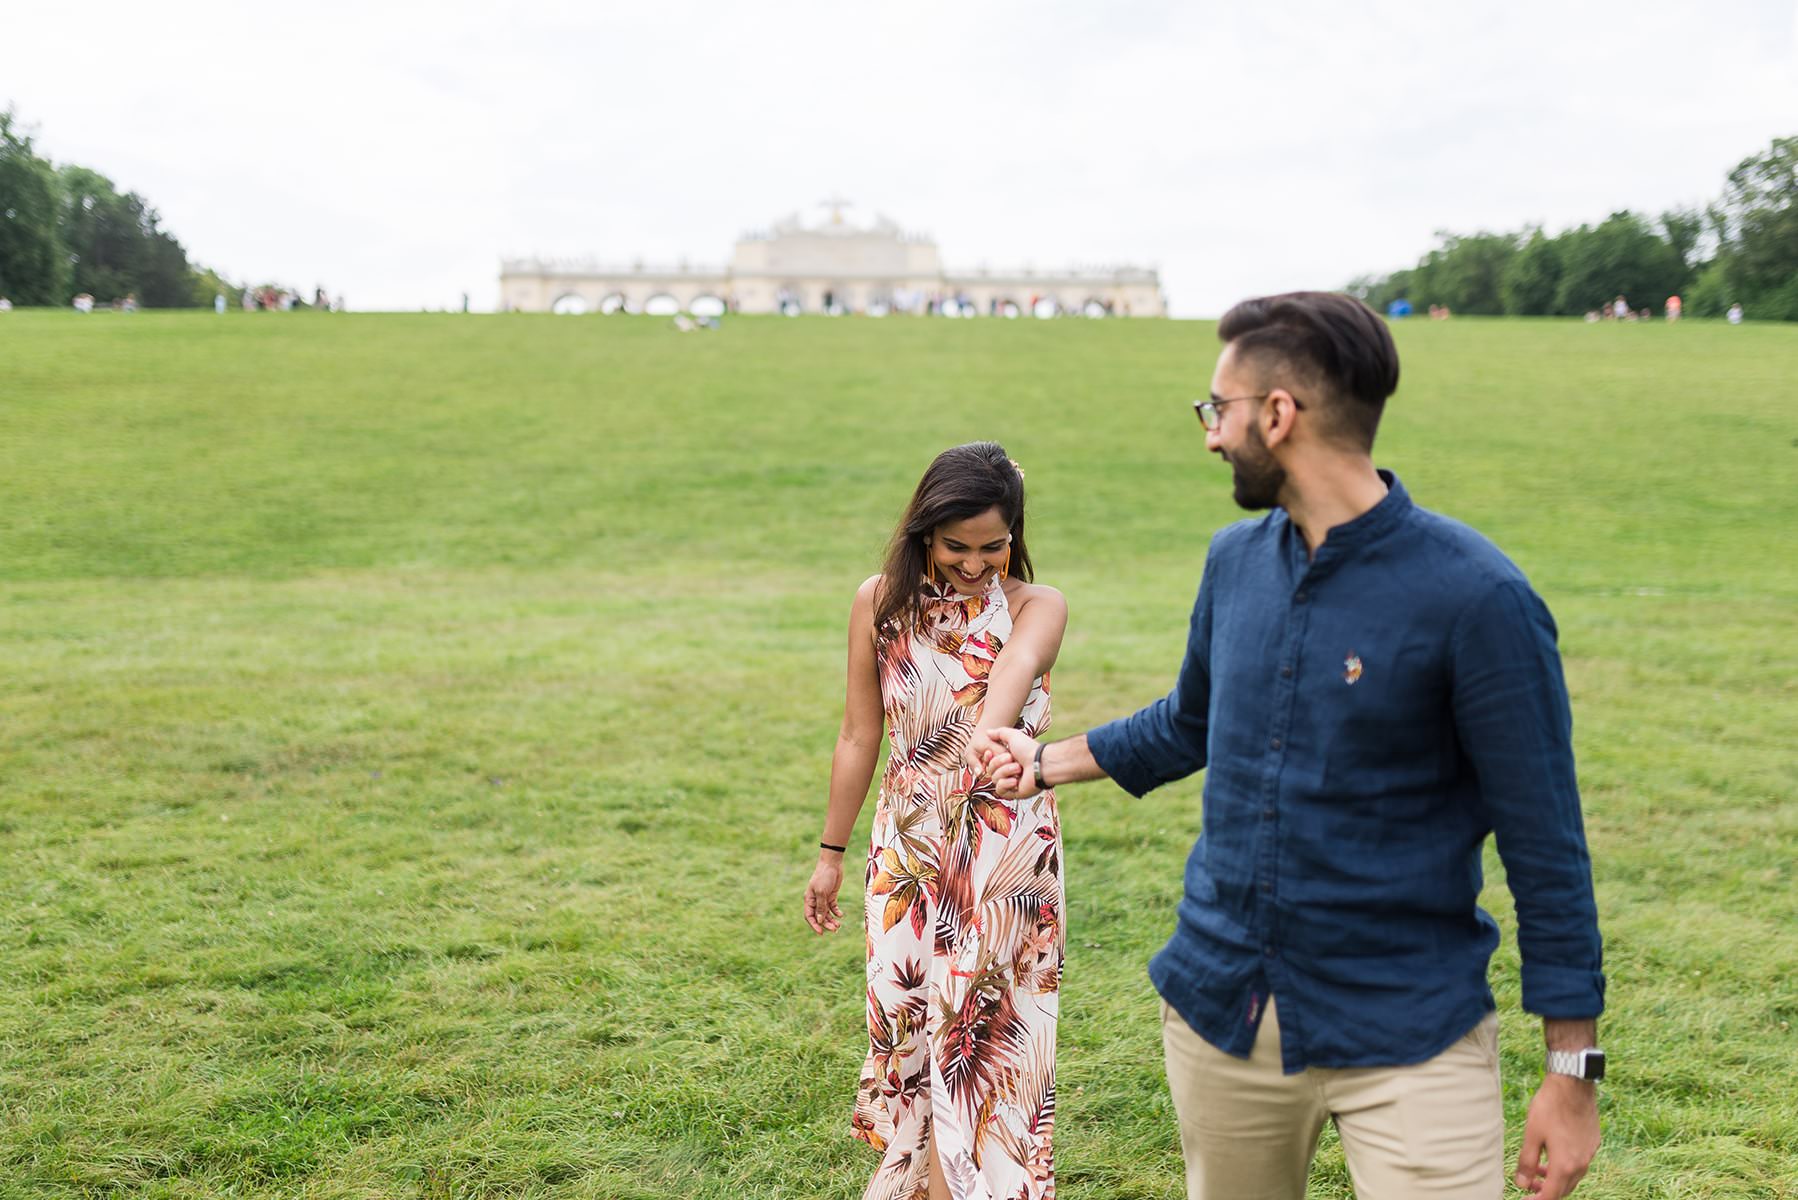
414, 731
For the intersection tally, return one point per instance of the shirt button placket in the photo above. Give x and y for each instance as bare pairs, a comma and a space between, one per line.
1268, 859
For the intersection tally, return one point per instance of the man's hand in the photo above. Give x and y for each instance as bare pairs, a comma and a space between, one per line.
1562, 1127
1007, 755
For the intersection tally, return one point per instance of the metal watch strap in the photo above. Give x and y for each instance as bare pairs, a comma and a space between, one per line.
1036, 766
1581, 1064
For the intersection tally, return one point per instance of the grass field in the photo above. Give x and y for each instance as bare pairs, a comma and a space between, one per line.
414, 731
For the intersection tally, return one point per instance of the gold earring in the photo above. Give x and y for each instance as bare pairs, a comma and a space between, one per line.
1005, 571
929, 563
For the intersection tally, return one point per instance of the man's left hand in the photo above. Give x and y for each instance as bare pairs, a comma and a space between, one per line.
1562, 1127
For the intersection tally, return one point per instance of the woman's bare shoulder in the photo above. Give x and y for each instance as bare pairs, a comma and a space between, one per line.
862, 610
1019, 595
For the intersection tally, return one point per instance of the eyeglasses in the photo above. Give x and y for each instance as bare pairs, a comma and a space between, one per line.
1210, 418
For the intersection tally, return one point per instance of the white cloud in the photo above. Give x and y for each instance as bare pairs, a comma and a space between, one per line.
395, 152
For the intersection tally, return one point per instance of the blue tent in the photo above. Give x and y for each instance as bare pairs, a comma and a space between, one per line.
1399, 308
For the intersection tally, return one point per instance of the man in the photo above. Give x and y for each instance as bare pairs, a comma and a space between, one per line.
1374, 689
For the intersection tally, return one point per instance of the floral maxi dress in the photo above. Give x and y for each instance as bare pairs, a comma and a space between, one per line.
964, 927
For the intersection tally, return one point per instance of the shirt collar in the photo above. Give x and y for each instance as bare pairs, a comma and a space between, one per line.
1377, 520
1349, 536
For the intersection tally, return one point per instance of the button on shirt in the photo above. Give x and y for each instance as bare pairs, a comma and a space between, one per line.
1368, 717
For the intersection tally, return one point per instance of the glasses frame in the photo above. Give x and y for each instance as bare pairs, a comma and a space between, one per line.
1211, 419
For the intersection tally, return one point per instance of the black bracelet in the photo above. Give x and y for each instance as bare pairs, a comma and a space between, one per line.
828, 846
1036, 766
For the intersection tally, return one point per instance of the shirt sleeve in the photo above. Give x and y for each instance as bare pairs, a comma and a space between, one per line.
1166, 740
1515, 725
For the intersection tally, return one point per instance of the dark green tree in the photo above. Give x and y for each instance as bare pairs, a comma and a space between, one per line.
117, 245
1532, 277
1623, 256
33, 266
1683, 229
1464, 273
1756, 222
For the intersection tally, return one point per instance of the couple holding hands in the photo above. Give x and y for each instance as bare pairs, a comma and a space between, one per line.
1372, 689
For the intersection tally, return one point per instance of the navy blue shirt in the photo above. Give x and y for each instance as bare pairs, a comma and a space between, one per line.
1368, 716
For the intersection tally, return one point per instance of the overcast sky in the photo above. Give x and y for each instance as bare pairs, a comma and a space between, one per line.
394, 153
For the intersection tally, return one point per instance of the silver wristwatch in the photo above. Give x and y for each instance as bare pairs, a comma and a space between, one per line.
1581, 1064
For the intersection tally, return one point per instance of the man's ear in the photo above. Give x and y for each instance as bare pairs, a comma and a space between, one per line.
1277, 414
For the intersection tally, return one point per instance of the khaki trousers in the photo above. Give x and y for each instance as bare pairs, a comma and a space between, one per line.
1248, 1131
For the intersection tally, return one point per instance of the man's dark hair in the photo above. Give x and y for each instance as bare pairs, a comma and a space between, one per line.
1335, 341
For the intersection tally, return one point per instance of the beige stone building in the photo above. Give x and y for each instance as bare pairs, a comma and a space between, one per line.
829, 261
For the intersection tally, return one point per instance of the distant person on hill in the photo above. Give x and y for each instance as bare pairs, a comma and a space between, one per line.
1372, 691
963, 913
218, 304
1674, 306
5, 304
1621, 310
1735, 313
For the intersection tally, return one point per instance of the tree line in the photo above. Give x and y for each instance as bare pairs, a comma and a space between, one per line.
1741, 248
67, 230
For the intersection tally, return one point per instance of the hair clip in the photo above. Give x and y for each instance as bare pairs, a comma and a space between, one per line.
1016, 467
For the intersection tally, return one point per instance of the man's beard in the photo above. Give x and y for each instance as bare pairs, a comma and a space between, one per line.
1257, 474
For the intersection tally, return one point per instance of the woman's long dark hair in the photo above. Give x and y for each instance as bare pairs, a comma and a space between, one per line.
962, 482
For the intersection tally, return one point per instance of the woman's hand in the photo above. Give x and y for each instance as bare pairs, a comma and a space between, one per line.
821, 911
1008, 755
973, 756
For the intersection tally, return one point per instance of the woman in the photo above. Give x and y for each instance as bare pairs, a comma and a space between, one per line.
963, 907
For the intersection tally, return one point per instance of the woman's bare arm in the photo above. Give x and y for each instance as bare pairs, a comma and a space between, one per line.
1036, 633
851, 765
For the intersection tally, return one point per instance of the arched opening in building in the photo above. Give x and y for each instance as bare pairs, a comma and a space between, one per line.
1095, 308
707, 306
661, 305
614, 303
1045, 308
570, 305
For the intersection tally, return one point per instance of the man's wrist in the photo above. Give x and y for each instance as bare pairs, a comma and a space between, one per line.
1585, 1065
1560, 1033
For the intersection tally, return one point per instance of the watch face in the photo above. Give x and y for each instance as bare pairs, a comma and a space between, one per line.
1594, 1065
